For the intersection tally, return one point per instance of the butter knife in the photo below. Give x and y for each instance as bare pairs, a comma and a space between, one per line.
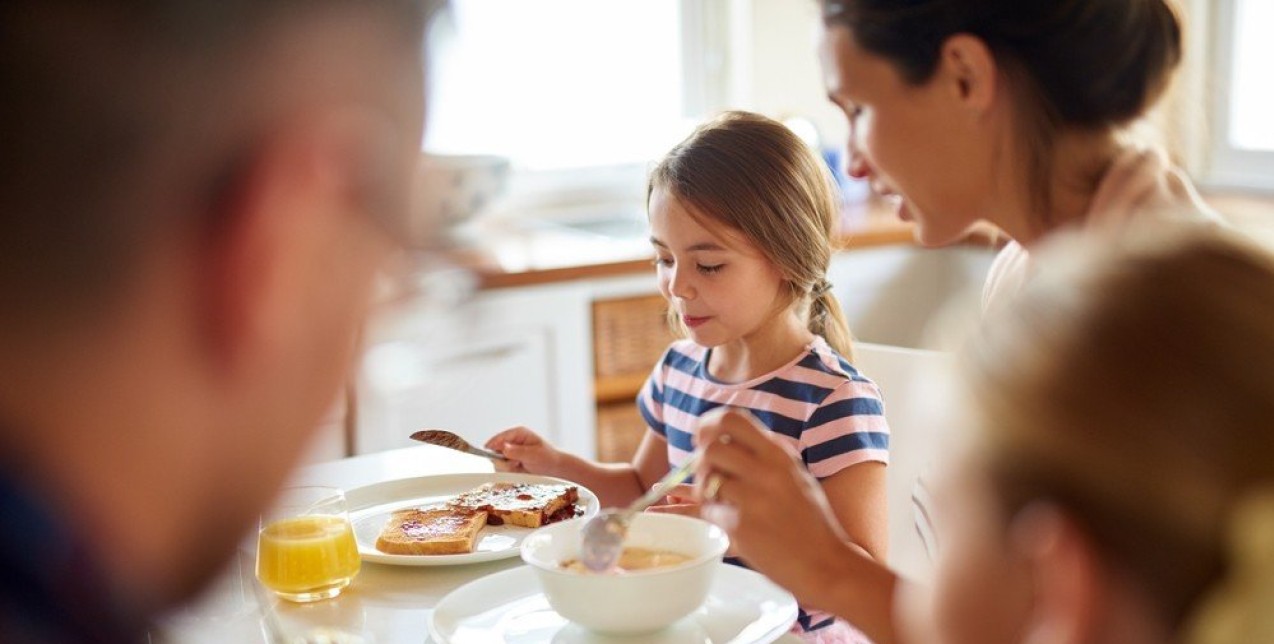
444, 438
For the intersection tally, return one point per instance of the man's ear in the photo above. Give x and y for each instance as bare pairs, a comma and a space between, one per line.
969, 68
275, 203
1065, 573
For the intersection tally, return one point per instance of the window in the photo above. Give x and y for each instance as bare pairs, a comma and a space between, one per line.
1243, 132
570, 90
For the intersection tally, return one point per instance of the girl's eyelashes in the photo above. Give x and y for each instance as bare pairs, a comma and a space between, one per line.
667, 262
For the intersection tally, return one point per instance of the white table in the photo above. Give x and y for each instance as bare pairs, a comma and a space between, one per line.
391, 604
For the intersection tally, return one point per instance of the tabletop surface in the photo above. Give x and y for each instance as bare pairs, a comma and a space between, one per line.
386, 604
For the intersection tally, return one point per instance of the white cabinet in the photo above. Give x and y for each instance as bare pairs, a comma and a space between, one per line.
506, 357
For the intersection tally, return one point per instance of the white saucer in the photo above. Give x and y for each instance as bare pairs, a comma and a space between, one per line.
743, 607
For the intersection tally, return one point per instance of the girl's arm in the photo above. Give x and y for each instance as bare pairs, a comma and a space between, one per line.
615, 484
787, 528
857, 583
856, 495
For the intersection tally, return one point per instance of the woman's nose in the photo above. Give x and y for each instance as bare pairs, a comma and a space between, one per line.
856, 166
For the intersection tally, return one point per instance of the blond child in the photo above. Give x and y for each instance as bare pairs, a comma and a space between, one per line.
741, 216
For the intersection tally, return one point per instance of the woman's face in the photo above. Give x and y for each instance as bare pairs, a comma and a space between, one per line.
981, 591
913, 141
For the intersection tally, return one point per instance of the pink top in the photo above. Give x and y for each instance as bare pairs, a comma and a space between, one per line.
1139, 184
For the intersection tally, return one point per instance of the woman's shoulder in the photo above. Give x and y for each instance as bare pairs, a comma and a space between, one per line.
1007, 274
1143, 181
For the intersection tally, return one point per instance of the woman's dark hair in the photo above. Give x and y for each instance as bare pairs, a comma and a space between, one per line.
95, 90
1083, 64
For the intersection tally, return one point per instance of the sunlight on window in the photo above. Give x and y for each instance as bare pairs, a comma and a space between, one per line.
559, 84
1251, 125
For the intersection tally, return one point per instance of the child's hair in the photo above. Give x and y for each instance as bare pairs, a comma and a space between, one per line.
1073, 64
753, 174
1132, 384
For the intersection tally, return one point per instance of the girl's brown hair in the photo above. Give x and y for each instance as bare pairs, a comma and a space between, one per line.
1134, 387
753, 174
1072, 64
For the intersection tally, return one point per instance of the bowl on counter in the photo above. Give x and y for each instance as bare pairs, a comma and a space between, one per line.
637, 601
452, 188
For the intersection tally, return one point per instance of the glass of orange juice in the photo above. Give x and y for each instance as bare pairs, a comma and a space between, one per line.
306, 549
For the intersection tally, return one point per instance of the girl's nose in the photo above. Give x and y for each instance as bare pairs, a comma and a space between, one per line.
679, 285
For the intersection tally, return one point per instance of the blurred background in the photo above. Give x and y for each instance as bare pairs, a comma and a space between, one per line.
543, 120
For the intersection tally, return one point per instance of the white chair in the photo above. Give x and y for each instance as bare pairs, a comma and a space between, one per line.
907, 379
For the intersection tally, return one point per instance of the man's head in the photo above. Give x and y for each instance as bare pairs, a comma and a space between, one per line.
197, 197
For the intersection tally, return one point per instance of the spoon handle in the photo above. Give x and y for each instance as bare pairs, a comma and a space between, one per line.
660, 489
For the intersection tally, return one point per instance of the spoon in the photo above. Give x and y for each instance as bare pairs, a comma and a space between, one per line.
603, 535
444, 438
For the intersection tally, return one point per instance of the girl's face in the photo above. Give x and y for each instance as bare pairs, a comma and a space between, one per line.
720, 284
981, 592
911, 141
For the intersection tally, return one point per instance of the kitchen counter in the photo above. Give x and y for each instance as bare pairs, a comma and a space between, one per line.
510, 253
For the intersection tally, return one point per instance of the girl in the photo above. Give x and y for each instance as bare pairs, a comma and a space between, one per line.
741, 215
1119, 486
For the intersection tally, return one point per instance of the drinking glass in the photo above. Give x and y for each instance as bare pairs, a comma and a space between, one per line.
306, 549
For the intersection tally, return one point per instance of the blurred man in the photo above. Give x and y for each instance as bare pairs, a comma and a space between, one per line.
196, 198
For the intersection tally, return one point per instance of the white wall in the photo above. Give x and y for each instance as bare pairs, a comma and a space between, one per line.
774, 65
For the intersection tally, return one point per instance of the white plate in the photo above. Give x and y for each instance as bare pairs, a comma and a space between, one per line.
743, 607
370, 507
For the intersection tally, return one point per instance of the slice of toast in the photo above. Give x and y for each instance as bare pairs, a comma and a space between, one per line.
529, 505
431, 531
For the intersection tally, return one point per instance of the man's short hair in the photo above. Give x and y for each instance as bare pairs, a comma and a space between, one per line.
96, 93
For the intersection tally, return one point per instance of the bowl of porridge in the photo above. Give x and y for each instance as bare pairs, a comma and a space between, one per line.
664, 573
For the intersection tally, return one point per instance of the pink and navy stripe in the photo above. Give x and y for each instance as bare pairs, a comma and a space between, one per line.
819, 403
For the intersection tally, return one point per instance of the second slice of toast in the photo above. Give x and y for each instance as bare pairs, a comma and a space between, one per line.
529, 505
432, 531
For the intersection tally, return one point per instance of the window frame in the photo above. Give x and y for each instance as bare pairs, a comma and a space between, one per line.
1231, 167
706, 84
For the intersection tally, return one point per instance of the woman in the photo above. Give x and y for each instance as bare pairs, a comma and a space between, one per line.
1008, 112
1118, 484
1002, 111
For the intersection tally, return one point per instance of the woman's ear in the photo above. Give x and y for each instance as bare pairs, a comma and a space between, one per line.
970, 70
1065, 575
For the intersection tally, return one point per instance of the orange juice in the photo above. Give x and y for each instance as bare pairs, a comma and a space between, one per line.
307, 558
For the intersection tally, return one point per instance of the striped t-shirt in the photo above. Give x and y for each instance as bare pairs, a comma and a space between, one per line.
829, 412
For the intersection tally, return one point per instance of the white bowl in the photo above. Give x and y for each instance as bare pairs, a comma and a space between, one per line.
631, 602
454, 187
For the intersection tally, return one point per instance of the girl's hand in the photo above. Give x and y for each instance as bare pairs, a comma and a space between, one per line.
526, 451
783, 525
681, 499
685, 500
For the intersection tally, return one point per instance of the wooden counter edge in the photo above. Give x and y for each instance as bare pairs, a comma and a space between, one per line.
874, 235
